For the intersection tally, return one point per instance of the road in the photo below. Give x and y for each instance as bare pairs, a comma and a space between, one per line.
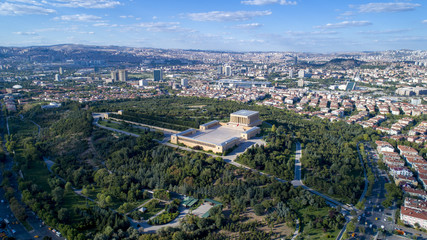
297, 182
5, 212
375, 214
230, 158
297, 178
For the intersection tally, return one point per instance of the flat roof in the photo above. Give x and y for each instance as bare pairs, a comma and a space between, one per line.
218, 134
246, 113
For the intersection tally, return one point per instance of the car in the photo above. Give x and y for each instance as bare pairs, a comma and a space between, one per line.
37, 236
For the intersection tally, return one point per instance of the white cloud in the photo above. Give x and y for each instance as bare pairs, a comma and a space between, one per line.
311, 33
102, 24
7, 8
78, 18
163, 27
249, 26
84, 3
42, 7
345, 24
425, 21
390, 31
220, 16
265, 2
387, 7
33, 2
128, 16
26, 33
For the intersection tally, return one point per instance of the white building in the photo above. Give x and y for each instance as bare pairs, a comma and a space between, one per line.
227, 70
143, 83
412, 216
184, 82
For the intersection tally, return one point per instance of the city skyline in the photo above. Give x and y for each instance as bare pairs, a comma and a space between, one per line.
246, 25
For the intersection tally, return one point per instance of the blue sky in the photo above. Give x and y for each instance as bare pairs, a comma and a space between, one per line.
238, 25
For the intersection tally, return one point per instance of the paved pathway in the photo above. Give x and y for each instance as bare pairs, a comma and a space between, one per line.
296, 230
38, 127
297, 178
153, 228
231, 159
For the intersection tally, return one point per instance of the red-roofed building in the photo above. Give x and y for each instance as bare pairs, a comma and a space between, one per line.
394, 162
391, 155
415, 192
401, 180
405, 150
415, 160
417, 204
412, 216
384, 147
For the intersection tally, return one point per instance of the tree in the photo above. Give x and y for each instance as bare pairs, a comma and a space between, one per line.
58, 194
351, 227
259, 209
18, 209
273, 128
63, 215
68, 187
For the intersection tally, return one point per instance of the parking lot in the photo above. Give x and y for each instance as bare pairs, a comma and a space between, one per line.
202, 209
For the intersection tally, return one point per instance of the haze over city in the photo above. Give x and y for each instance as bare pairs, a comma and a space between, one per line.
237, 25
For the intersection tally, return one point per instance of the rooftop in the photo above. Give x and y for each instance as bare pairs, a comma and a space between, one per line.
218, 134
246, 113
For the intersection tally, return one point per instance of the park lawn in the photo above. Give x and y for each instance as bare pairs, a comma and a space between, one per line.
72, 201
153, 209
92, 193
22, 127
319, 234
38, 173
121, 127
132, 206
314, 213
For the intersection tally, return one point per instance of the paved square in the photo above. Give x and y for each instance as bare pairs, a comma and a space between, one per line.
202, 209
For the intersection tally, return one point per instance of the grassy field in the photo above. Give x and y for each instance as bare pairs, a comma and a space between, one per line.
22, 127
315, 233
122, 127
153, 208
38, 173
72, 201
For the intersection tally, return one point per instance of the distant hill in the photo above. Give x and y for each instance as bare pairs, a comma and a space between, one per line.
338, 64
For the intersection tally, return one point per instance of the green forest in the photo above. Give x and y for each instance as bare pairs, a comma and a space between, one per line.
86, 181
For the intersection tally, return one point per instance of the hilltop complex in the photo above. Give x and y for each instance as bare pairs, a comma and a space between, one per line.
218, 137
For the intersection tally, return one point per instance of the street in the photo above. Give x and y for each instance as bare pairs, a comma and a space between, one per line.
374, 216
15, 228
